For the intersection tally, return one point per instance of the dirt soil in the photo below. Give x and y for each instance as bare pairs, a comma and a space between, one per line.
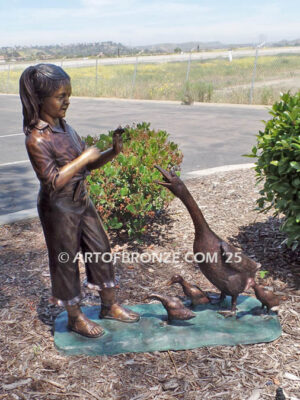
32, 368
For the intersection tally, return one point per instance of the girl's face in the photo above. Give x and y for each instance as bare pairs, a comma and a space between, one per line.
55, 106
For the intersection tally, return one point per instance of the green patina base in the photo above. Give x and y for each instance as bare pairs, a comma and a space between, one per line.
151, 333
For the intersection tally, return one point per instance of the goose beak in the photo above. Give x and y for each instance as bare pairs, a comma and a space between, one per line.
169, 283
166, 175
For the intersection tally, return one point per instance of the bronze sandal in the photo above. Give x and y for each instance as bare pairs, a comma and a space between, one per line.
119, 313
82, 325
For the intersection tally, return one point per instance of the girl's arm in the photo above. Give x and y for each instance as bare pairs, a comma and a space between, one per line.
67, 172
109, 154
43, 161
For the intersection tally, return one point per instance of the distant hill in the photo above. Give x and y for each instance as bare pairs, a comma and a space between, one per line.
200, 46
78, 50
188, 46
285, 43
112, 49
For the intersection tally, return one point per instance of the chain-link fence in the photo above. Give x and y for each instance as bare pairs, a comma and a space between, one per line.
254, 76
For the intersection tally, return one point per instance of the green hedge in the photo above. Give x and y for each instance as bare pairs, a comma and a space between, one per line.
278, 164
123, 190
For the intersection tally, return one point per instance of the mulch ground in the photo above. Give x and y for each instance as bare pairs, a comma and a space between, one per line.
32, 368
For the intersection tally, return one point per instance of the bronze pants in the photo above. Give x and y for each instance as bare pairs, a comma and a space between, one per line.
70, 225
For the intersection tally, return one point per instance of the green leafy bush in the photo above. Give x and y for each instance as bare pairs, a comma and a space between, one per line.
278, 164
123, 190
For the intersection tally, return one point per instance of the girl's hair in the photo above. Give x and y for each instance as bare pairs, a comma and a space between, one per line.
37, 82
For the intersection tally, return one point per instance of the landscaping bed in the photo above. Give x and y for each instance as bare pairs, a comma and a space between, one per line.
32, 368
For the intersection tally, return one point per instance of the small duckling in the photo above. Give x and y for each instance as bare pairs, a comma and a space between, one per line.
266, 297
175, 308
193, 292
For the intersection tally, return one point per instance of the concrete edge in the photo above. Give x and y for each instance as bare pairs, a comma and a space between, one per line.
224, 168
32, 212
18, 216
176, 102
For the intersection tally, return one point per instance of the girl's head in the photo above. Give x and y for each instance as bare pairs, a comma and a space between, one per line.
37, 83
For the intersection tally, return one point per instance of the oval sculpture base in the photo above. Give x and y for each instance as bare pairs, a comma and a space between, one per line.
151, 333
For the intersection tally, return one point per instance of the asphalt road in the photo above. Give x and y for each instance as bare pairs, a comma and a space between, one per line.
209, 136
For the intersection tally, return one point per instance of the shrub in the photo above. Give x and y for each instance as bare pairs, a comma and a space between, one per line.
199, 91
123, 190
203, 91
278, 164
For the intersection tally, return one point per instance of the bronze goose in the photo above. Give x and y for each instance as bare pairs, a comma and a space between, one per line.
175, 308
223, 265
193, 292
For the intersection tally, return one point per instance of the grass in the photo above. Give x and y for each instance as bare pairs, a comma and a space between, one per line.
216, 80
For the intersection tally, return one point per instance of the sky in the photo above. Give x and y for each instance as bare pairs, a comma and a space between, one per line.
142, 22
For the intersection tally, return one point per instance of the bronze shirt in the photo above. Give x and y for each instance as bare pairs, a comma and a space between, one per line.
49, 149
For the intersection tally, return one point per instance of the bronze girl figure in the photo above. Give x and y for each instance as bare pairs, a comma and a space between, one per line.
69, 219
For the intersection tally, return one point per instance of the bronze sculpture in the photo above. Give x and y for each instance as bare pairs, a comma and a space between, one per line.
175, 308
230, 271
193, 292
69, 219
267, 298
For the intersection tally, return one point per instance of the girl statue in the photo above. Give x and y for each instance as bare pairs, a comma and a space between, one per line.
69, 219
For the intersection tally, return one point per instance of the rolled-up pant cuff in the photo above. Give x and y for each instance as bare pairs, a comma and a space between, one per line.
64, 303
100, 286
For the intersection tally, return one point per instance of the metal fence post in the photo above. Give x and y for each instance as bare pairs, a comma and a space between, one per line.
253, 77
188, 69
186, 88
134, 77
8, 78
96, 83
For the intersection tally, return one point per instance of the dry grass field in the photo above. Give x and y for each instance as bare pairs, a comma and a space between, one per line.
215, 80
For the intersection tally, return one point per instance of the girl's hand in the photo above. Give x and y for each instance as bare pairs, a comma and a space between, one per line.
117, 140
92, 153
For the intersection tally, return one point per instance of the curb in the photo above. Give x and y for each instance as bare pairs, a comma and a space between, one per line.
174, 102
32, 212
18, 216
224, 168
